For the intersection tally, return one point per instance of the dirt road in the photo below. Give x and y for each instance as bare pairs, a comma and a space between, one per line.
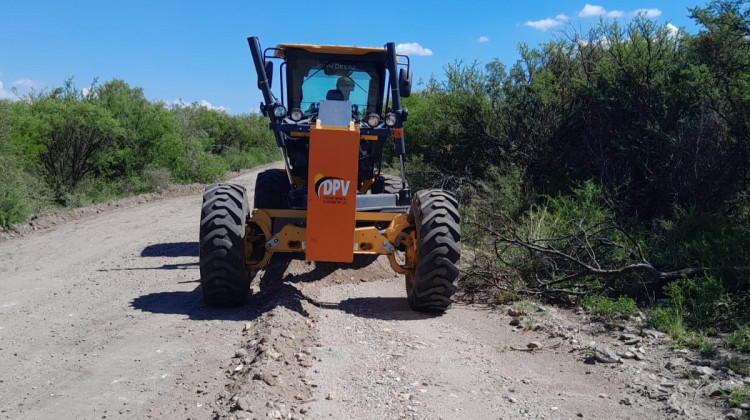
102, 317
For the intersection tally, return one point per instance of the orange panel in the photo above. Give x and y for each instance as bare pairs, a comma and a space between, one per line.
332, 194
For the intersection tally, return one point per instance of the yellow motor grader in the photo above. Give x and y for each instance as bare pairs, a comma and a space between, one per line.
337, 108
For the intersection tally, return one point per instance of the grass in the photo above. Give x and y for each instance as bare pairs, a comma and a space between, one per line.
700, 342
739, 340
610, 310
525, 307
739, 365
740, 395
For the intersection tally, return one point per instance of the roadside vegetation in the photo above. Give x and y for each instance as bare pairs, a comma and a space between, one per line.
65, 148
605, 169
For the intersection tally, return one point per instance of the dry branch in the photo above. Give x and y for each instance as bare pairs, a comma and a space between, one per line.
594, 259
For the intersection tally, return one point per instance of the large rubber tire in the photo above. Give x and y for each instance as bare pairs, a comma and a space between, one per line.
224, 279
392, 184
270, 188
432, 287
386, 184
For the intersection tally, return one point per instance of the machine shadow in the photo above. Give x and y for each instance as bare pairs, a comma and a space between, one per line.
276, 288
190, 304
171, 249
384, 308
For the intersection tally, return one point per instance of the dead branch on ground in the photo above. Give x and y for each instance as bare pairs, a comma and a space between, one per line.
598, 258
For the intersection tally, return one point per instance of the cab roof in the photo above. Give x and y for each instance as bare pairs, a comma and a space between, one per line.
326, 49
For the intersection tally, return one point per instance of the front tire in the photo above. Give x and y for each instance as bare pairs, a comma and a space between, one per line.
271, 187
432, 287
224, 279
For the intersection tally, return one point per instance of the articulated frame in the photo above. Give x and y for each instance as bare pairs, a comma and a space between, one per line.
399, 235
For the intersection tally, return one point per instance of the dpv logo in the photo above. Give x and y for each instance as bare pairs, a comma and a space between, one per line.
331, 187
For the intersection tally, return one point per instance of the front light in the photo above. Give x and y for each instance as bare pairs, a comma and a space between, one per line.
296, 114
373, 120
279, 111
390, 119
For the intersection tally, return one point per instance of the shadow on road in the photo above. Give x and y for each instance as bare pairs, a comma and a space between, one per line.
276, 288
385, 308
190, 304
171, 249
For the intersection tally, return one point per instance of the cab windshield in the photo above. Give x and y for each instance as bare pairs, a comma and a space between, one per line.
315, 80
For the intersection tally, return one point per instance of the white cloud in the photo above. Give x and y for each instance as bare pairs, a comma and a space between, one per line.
562, 17
27, 83
483, 39
673, 30
602, 41
413, 48
591, 10
205, 104
543, 24
649, 13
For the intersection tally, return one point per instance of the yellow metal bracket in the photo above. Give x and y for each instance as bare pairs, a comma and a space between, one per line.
366, 240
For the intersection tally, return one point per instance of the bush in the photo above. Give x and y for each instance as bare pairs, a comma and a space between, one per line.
149, 134
739, 339
694, 238
562, 248
237, 159
198, 165
155, 178
66, 136
694, 308
21, 192
15, 205
740, 396
608, 309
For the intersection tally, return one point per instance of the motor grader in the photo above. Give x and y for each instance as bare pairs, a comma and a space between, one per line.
337, 108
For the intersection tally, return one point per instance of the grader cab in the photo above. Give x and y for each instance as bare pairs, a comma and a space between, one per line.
337, 108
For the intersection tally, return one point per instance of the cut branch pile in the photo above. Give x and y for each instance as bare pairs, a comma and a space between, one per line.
594, 259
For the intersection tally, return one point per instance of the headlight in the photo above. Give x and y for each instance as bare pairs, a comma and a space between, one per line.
296, 114
390, 119
373, 120
279, 111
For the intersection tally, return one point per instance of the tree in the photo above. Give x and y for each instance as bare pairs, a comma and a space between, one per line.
67, 136
149, 133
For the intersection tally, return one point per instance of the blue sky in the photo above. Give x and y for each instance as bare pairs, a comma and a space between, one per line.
197, 51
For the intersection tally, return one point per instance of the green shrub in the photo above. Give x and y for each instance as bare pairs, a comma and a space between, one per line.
95, 190
155, 178
525, 307
700, 303
740, 395
692, 238
197, 165
22, 192
237, 159
15, 205
608, 309
503, 191
740, 365
694, 309
739, 339
699, 341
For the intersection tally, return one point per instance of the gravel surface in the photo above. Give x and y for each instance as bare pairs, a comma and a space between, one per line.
101, 317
